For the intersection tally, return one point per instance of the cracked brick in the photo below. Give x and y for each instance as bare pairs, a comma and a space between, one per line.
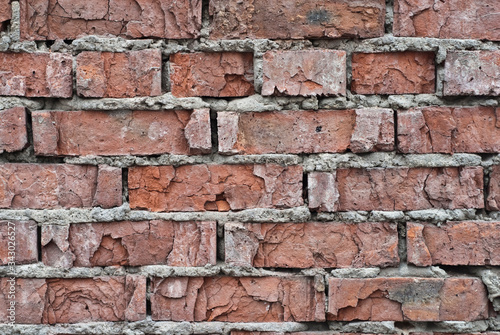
393, 73
25, 241
50, 186
473, 19
252, 299
118, 74
311, 245
304, 73
81, 133
407, 299
64, 19
214, 187
215, 74
126, 243
13, 133
235, 19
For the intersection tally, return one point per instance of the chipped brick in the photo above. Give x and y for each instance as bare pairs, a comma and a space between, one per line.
493, 200
5, 13
13, 134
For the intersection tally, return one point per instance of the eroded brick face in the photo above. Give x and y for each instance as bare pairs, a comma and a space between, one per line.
23, 236
235, 19
217, 74
473, 19
407, 299
493, 200
62, 19
58, 133
128, 243
214, 187
13, 133
393, 73
246, 299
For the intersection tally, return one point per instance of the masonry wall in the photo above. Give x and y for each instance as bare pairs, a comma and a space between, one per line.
249, 167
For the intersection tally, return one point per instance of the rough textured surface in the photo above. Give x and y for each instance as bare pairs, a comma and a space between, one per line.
21, 234
449, 130
121, 133
216, 74
63, 19
473, 19
266, 299
303, 19
493, 200
454, 243
118, 75
77, 300
129, 244
472, 73
361, 130
412, 299
307, 245
13, 134
49, 75
57, 186
393, 73
5, 13
305, 73
215, 187
404, 189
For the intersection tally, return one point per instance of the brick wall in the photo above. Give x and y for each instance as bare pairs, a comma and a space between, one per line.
250, 167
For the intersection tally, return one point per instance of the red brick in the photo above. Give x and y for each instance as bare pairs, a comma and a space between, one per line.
22, 236
251, 299
493, 200
454, 243
407, 299
393, 73
128, 243
449, 130
235, 19
361, 130
13, 134
214, 187
41, 20
472, 73
473, 19
118, 75
5, 13
305, 72
58, 133
311, 244
217, 74
46, 186
398, 189
76, 300
48, 75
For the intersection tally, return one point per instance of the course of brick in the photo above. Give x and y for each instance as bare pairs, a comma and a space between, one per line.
229, 167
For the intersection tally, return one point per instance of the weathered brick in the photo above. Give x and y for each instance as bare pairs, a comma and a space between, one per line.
13, 134
19, 237
129, 244
454, 243
121, 132
473, 19
407, 299
493, 200
362, 130
45, 186
5, 13
311, 244
449, 130
235, 19
393, 73
48, 75
214, 187
305, 72
251, 299
215, 74
118, 74
76, 300
62, 19
398, 189
472, 73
